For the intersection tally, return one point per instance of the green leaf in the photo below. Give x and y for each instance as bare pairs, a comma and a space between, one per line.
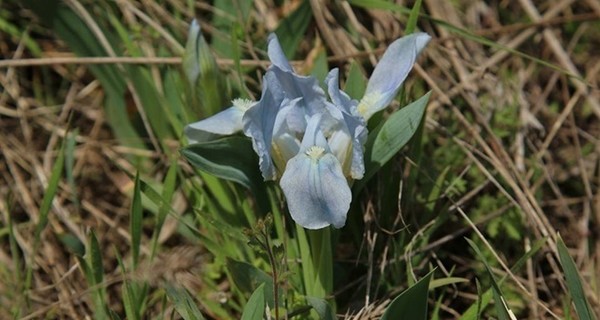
484, 299
233, 12
322, 307
356, 83
184, 303
72, 243
255, 308
387, 139
411, 25
95, 275
95, 260
582, 305
291, 30
502, 310
136, 221
320, 68
230, 158
248, 277
412, 303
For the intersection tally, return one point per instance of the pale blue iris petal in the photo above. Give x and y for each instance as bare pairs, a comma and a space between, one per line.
390, 72
226, 122
307, 88
292, 115
294, 85
314, 185
354, 128
259, 122
285, 147
316, 191
313, 135
339, 98
276, 54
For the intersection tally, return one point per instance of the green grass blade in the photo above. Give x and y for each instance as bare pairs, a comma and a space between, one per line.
96, 276
411, 25
169, 185
291, 30
184, 303
49, 195
356, 83
501, 309
132, 305
484, 299
582, 306
136, 221
412, 303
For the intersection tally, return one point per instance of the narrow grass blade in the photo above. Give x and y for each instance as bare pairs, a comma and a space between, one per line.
356, 83
255, 308
484, 298
238, 11
184, 303
412, 303
582, 306
320, 68
169, 185
502, 311
130, 293
136, 221
49, 195
411, 25
96, 278
291, 30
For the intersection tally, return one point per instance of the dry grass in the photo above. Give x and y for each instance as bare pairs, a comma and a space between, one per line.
548, 166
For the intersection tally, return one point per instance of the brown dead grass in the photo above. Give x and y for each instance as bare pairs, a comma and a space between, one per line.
550, 170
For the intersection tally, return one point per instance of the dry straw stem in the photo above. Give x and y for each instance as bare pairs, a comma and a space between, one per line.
470, 83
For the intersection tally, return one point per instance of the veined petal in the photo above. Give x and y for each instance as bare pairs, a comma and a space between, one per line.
285, 146
313, 183
259, 121
276, 54
316, 191
353, 132
294, 85
226, 122
390, 73
339, 98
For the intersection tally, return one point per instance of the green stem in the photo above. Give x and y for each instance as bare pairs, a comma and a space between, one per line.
320, 248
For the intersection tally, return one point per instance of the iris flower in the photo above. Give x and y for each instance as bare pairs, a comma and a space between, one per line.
312, 142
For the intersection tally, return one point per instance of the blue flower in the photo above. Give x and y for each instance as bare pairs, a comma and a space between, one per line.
314, 185
312, 142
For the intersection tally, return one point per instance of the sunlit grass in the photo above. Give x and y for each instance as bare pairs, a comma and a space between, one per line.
103, 216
